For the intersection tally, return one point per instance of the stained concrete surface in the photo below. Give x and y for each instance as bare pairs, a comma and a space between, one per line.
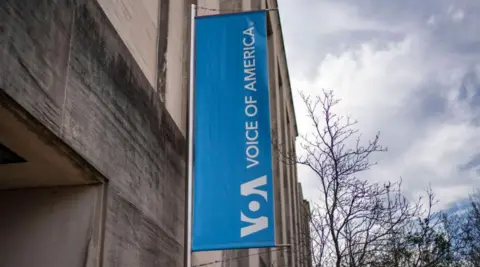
64, 63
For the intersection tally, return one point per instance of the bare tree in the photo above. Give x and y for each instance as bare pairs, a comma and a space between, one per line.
359, 223
353, 220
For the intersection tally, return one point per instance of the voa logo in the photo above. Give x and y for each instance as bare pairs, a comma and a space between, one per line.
248, 190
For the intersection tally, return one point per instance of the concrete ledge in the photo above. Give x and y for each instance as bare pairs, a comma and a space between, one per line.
50, 162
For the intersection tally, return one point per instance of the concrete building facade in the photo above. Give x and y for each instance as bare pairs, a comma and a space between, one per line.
93, 122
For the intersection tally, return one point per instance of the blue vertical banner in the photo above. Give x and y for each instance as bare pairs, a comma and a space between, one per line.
233, 187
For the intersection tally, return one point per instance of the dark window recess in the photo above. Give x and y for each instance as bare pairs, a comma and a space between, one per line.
8, 157
269, 25
288, 117
280, 80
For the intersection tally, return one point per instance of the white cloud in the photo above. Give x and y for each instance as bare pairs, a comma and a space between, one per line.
370, 83
379, 85
312, 26
401, 68
456, 14
333, 17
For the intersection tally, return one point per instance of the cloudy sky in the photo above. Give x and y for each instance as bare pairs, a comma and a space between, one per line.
409, 69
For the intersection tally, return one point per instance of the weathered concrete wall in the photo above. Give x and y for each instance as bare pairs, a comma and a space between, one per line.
136, 21
65, 63
34, 49
157, 34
